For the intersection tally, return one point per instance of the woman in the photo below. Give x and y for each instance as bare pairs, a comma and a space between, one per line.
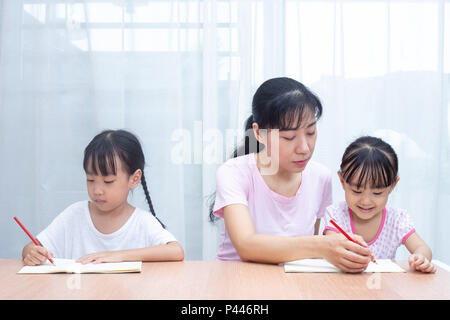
271, 195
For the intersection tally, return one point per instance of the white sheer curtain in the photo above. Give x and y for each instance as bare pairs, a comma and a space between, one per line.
181, 74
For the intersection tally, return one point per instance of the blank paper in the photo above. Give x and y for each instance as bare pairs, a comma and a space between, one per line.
321, 265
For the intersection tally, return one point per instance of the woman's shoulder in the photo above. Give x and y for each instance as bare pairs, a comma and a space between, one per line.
241, 161
318, 168
241, 164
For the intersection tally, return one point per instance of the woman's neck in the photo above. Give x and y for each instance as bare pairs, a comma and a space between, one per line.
265, 163
282, 181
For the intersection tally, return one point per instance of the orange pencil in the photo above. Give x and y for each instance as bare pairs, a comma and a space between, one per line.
31, 237
347, 236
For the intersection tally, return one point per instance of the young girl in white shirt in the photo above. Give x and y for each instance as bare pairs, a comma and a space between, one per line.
107, 228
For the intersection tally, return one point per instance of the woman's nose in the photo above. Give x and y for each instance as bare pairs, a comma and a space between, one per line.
302, 146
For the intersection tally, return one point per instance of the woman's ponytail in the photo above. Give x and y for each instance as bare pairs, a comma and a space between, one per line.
250, 145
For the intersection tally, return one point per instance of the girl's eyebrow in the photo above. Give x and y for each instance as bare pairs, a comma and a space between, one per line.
90, 173
353, 185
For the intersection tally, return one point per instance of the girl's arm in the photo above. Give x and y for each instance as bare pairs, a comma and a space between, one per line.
172, 251
266, 248
420, 258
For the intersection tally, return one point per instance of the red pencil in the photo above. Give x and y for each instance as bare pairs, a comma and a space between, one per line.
31, 237
347, 236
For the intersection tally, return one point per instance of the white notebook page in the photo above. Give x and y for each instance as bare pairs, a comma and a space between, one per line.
321, 265
70, 266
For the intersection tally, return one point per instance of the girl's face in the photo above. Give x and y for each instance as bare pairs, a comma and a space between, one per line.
365, 202
295, 147
109, 192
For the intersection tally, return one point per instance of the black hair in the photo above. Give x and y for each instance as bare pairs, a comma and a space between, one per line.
103, 148
278, 103
373, 159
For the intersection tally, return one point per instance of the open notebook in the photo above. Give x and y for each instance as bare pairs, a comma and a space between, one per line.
321, 265
70, 266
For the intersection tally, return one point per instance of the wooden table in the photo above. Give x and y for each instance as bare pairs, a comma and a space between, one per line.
206, 280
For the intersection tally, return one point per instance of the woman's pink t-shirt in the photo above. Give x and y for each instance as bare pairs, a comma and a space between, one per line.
239, 181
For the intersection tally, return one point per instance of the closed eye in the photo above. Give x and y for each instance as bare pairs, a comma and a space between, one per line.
110, 181
289, 139
357, 192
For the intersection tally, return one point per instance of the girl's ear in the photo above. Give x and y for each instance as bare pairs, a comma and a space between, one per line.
341, 179
135, 179
394, 184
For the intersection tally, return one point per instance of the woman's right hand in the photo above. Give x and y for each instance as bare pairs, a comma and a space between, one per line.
36, 255
347, 255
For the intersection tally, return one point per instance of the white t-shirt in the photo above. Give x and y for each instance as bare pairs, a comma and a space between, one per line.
72, 233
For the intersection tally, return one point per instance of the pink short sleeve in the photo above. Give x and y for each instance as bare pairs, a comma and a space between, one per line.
338, 214
405, 227
232, 187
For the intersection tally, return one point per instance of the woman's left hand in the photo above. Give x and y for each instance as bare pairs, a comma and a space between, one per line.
99, 257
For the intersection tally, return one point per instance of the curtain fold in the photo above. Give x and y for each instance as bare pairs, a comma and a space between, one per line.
180, 74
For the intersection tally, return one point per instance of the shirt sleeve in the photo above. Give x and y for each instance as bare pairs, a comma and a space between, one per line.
331, 214
232, 188
158, 235
53, 236
327, 197
405, 226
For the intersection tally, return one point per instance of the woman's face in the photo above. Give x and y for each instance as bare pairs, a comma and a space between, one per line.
295, 147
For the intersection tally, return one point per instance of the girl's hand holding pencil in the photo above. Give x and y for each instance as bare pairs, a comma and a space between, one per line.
36, 255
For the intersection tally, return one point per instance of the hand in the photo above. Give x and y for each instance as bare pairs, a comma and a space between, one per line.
347, 255
418, 262
36, 255
363, 243
99, 257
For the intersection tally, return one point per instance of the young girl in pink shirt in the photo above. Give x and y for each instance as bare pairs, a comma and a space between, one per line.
368, 174
271, 194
